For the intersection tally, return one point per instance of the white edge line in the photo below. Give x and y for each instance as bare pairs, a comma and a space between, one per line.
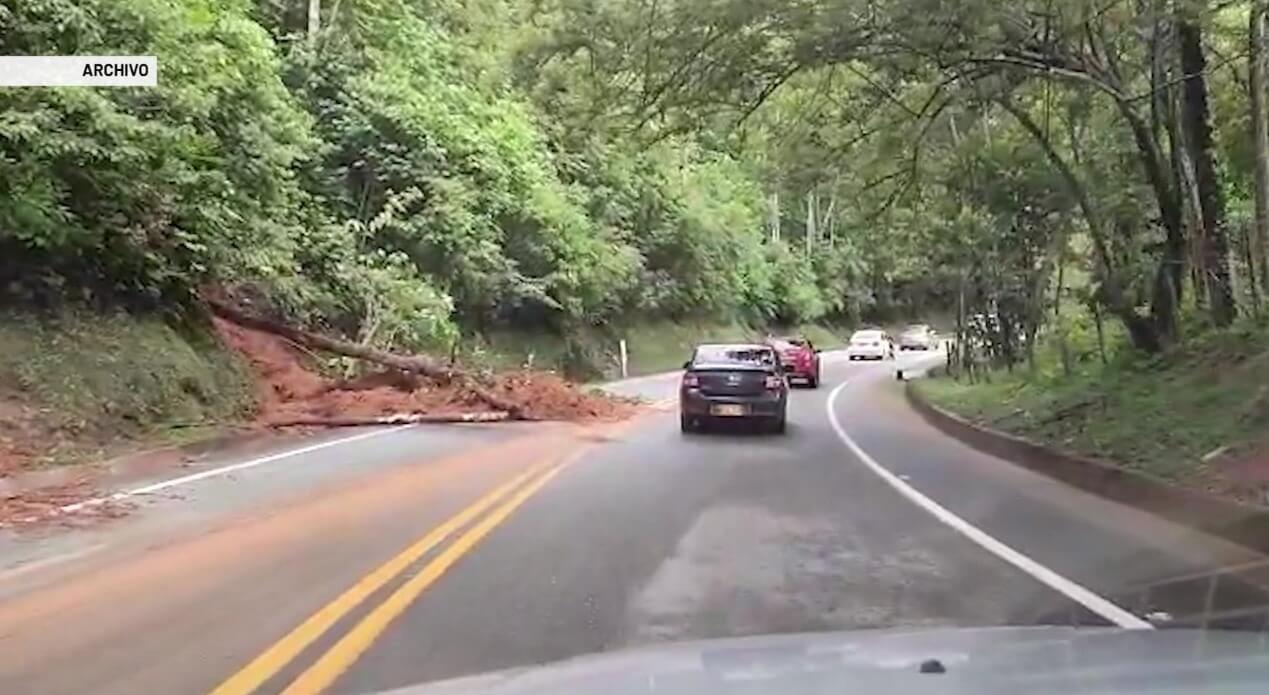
211, 473
634, 380
1044, 575
21, 569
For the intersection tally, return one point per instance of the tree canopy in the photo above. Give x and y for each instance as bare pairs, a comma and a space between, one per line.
403, 170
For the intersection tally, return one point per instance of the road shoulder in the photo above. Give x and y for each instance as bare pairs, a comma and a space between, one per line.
1118, 552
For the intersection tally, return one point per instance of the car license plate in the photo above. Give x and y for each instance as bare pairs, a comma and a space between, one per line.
729, 410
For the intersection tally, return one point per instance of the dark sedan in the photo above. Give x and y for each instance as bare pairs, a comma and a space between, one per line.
733, 382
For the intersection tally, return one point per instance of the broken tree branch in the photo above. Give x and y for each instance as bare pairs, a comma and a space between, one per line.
415, 364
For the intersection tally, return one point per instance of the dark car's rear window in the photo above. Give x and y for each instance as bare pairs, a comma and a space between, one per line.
712, 354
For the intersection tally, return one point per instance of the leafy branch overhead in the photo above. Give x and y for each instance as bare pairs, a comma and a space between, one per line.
1141, 75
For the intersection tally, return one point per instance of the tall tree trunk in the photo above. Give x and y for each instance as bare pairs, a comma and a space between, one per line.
1170, 274
1101, 332
1148, 334
1064, 349
1187, 192
1180, 216
1249, 258
1259, 135
1169, 280
314, 18
1198, 136
829, 216
810, 222
775, 216
962, 340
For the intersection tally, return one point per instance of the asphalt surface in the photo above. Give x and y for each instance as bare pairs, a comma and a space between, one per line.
617, 535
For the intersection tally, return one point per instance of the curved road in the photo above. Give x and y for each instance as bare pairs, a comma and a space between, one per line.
353, 565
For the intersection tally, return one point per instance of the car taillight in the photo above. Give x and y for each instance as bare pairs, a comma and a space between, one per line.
691, 381
775, 383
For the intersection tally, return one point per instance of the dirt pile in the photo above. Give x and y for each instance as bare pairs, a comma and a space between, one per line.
44, 505
546, 396
289, 390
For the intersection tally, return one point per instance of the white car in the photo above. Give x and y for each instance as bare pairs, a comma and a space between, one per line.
870, 345
918, 336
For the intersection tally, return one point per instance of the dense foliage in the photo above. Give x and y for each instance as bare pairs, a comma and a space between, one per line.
1020, 157
402, 170
407, 170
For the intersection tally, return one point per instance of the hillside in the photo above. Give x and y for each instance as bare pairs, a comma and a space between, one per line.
1196, 416
84, 385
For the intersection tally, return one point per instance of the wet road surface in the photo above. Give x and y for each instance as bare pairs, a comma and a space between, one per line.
428, 553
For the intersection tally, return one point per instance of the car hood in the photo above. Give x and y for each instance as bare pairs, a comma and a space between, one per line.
990, 660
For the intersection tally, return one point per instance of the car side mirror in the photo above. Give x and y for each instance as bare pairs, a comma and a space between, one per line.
687, 364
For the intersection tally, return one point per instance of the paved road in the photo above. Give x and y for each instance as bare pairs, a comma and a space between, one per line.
426, 553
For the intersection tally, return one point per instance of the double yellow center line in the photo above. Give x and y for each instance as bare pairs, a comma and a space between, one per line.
330, 665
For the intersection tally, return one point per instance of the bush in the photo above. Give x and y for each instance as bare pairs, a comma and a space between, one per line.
144, 193
383, 181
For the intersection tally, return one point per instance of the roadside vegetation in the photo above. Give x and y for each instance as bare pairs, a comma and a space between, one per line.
1197, 415
403, 173
1082, 186
86, 382
651, 346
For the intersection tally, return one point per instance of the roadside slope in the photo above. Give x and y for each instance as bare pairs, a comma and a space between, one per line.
79, 384
1198, 416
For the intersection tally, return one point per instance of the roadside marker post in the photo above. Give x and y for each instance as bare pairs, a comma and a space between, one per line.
625, 358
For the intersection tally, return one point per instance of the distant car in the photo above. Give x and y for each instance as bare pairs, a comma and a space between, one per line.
917, 337
733, 382
800, 359
871, 344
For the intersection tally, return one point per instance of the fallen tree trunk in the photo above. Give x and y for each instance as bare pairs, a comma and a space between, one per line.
398, 419
416, 364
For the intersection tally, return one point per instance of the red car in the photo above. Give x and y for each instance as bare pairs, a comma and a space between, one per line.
800, 358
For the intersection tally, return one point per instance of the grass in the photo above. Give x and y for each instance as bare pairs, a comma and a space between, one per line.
513, 349
1159, 414
662, 346
652, 346
88, 380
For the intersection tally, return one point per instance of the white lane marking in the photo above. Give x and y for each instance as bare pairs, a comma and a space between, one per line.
211, 473
49, 562
1044, 575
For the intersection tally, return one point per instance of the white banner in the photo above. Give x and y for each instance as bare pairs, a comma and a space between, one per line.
79, 71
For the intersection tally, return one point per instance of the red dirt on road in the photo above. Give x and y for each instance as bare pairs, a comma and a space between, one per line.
289, 389
43, 505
